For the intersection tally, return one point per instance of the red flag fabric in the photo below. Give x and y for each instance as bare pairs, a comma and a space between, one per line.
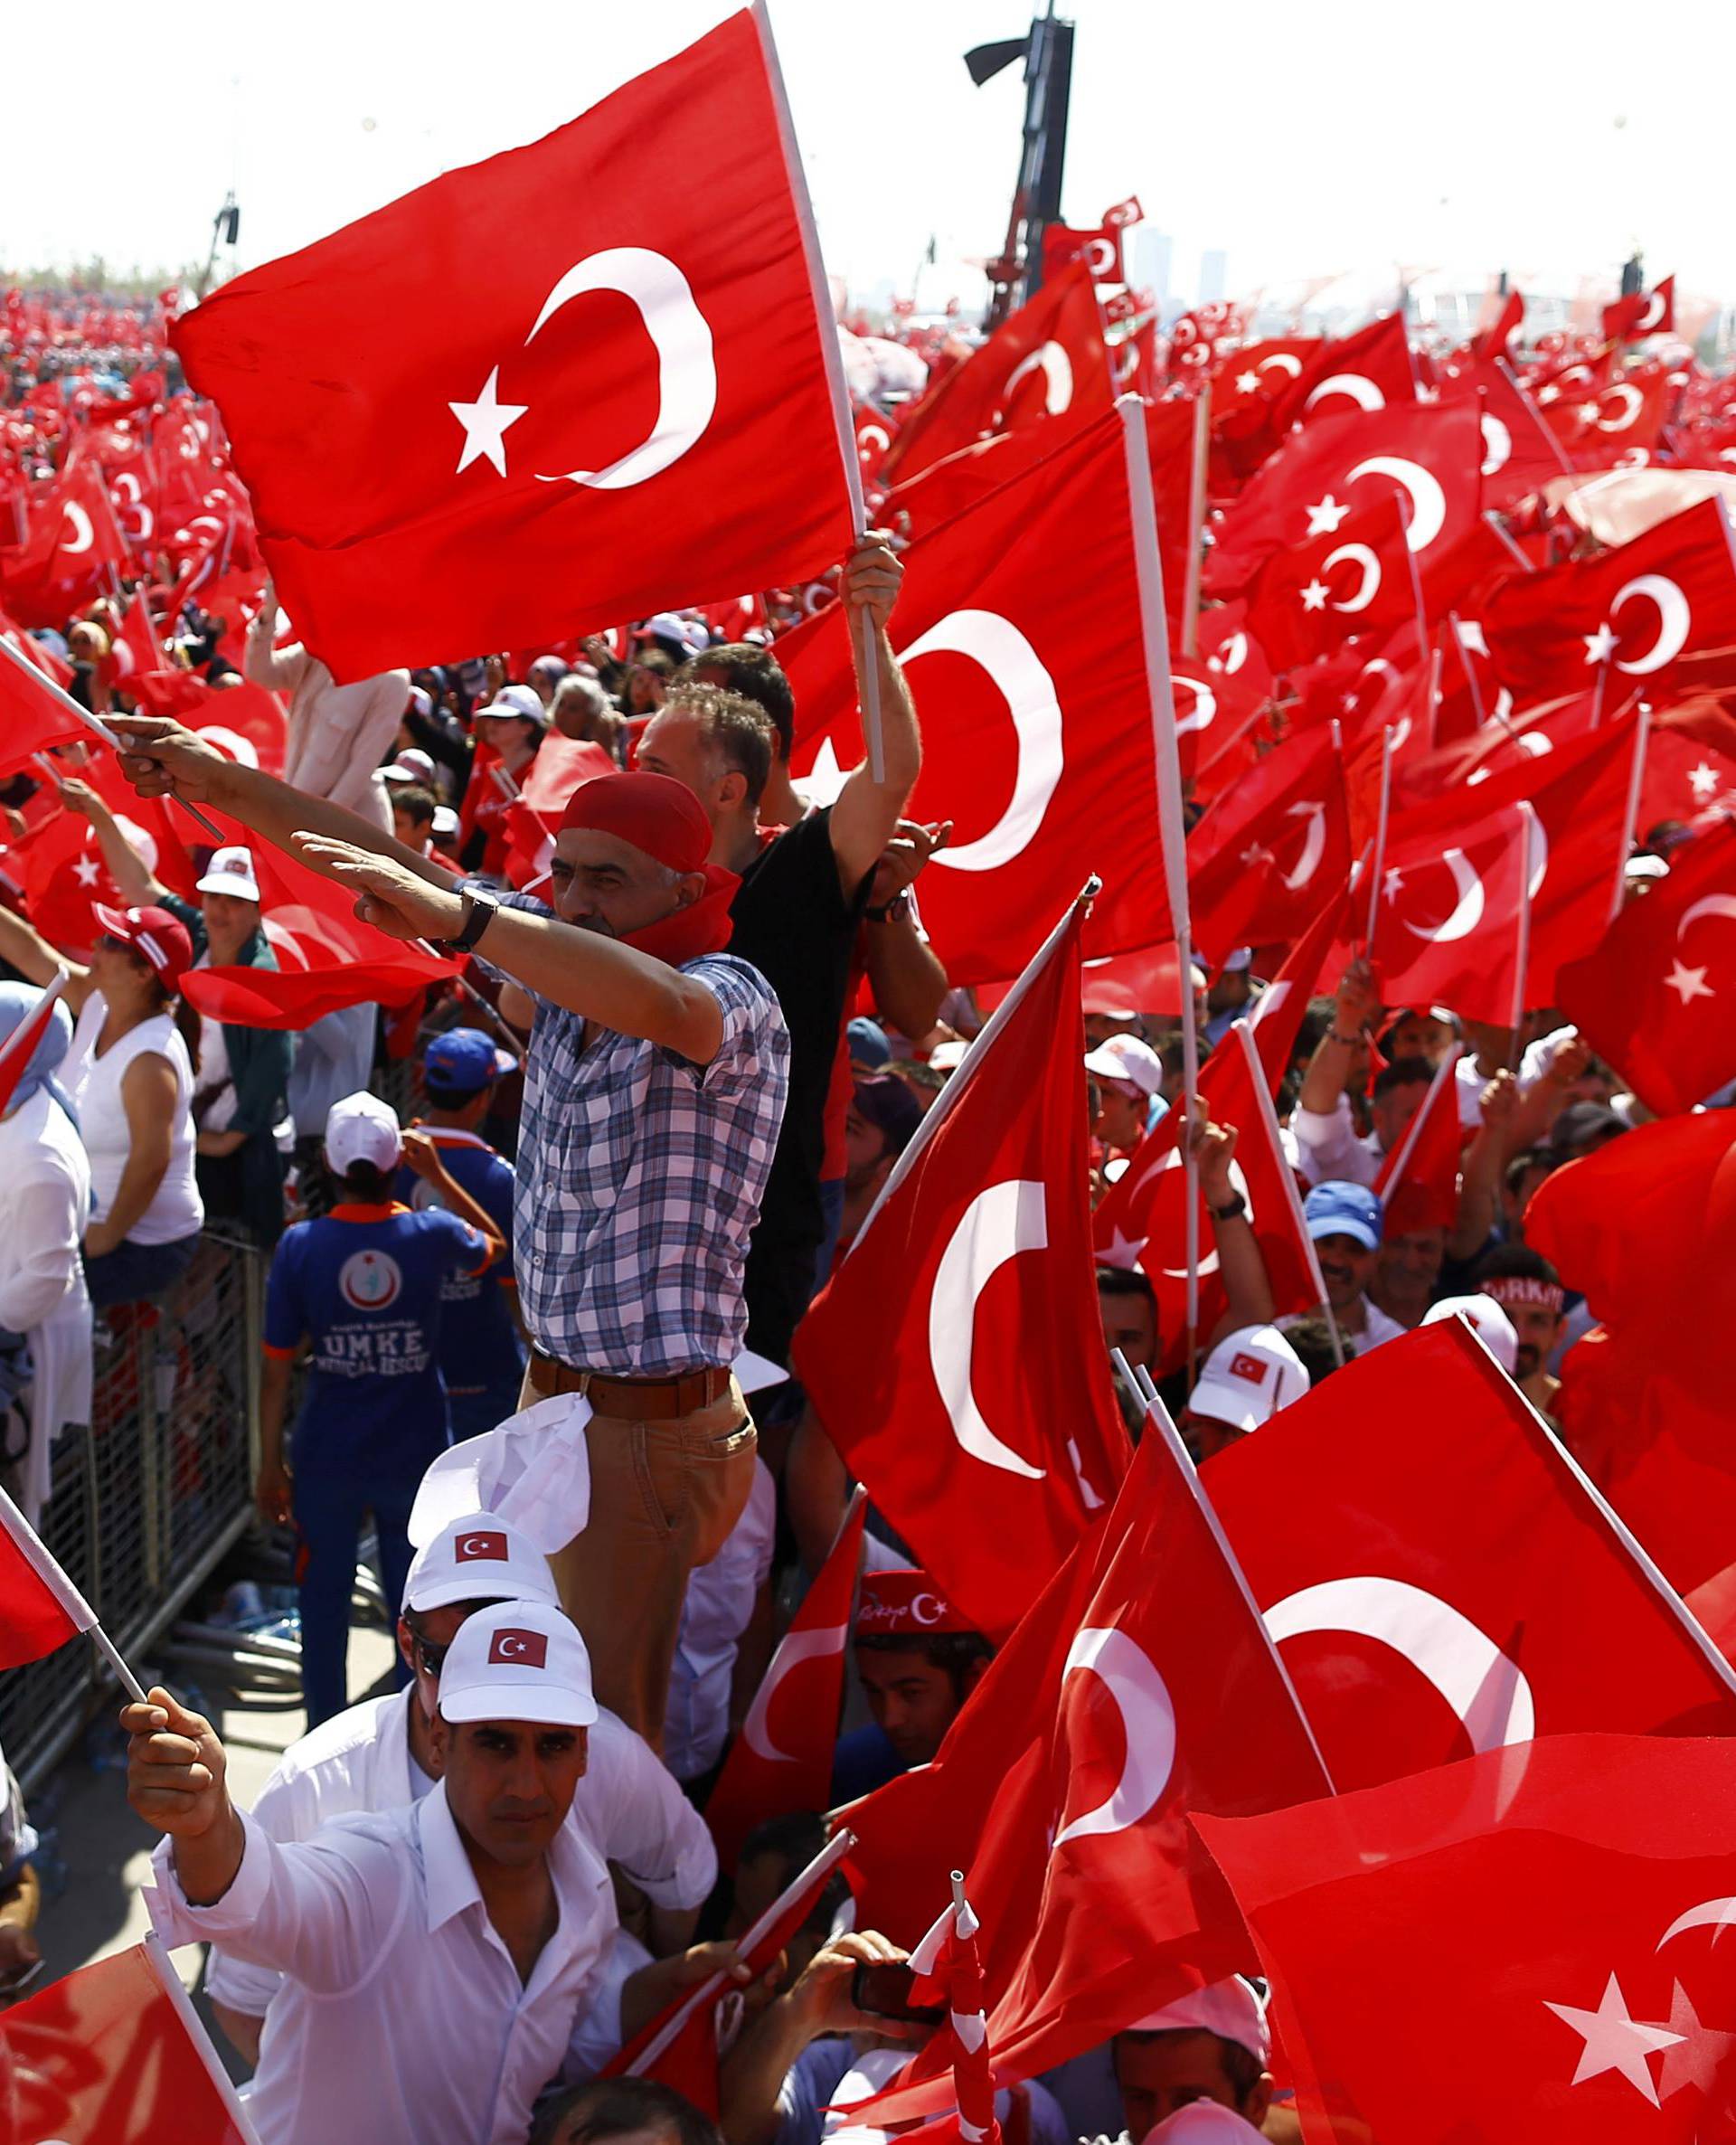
1270, 849
960, 1969
631, 409
1457, 1588
33, 717
1158, 1694
1364, 371
1045, 366
1643, 313
563, 764
39, 1607
1450, 925
1418, 1182
1022, 619
1353, 577
16, 1052
1562, 1909
1656, 611
989, 1455
1655, 996
74, 551
782, 1759
1494, 340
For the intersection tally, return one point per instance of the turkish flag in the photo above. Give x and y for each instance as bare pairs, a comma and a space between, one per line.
44, 658
1428, 455
135, 651
1492, 343
1690, 769
1460, 1586
562, 765
114, 2055
1418, 1182
1648, 997
1519, 452
34, 716
1351, 577
1365, 371
1560, 1910
39, 1607
874, 431
982, 1421
64, 876
1451, 925
1656, 611
1617, 426
781, 1761
1045, 366
1270, 849
1642, 313
1100, 250
626, 407
1022, 619
74, 551
1247, 386
1143, 1685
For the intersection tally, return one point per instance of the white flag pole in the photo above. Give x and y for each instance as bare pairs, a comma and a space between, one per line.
1378, 870
157, 1958
1630, 816
867, 654
1286, 1178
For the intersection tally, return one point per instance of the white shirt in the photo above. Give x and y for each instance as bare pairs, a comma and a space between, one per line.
403, 2020
1332, 1151
718, 1607
45, 1202
93, 1082
358, 1763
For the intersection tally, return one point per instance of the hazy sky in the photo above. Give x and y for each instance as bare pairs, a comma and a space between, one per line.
1341, 138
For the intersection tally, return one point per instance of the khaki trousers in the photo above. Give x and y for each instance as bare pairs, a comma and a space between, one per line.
664, 1496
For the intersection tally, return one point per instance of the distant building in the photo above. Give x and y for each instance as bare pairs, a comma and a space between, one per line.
1215, 276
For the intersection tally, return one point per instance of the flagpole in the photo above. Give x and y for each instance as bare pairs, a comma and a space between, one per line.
1470, 675
92, 722
1378, 871
1286, 1178
1536, 416
1197, 520
1528, 820
1630, 818
1171, 821
938, 1111
1400, 1155
825, 327
1158, 1416
157, 1958
78, 1611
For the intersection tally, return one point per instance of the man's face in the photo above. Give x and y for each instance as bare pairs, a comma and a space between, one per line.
1515, 1200
229, 921
1411, 1262
913, 1702
673, 744
1129, 1324
1120, 1114
1394, 1110
866, 1152
1421, 1036
1538, 1330
1161, 2071
604, 885
510, 1784
1346, 1268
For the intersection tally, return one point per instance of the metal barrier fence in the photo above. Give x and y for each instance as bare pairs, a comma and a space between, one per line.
148, 1500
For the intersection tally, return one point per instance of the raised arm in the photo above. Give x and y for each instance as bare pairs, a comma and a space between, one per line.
133, 877
1240, 1262
866, 814
261, 662
908, 980
27, 950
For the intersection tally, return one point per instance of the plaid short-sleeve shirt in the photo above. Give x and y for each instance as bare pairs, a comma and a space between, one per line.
639, 1177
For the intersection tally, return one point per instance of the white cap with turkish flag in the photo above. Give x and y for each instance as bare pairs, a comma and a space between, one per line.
479, 1557
1231, 2009
518, 1661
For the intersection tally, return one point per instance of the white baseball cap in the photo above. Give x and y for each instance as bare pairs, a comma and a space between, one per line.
361, 1128
410, 766
518, 1661
1248, 1377
1126, 1058
479, 1557
1202, 2123
1494, 1330
1231, 2009
231, 872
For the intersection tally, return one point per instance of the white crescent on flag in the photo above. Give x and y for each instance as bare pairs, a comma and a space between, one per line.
1000, 1221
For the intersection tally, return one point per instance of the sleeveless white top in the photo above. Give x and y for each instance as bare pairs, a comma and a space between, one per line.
94, 1084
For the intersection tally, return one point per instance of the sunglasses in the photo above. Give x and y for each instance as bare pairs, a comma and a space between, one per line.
432, 1656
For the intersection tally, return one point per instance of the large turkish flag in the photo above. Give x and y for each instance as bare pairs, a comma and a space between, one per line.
981, 1417
1456, 1585
580, 382
1020, 623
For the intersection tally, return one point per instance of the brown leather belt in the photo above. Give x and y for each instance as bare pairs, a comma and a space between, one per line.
650, 1400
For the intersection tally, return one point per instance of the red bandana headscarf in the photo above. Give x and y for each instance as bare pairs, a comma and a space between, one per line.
664, 818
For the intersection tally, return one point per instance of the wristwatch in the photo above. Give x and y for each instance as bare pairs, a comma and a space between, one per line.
480, 908
1233, 1209
900, 906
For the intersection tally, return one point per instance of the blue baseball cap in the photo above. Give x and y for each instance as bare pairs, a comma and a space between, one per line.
868, 1044
1341, 1209
462, 1063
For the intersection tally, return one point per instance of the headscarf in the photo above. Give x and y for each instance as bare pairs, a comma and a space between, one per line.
663, 817
18, 1001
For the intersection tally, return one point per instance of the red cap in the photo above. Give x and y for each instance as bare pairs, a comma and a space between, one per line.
653, 812
904, 1604
161, 938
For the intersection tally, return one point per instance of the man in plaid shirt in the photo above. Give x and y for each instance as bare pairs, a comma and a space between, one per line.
655, 1084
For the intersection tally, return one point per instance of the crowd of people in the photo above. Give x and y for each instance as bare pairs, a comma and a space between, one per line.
701, 1026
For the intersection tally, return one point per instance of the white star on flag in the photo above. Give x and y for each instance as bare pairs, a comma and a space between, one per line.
1246, 382
87, 871
1688, 984
1313, 597
1702, 2054
1599, 645
1704, 779
1255, 854
1325, 517
1614, 2041
1394, 886
1121, 1251
1588, 413
484, 424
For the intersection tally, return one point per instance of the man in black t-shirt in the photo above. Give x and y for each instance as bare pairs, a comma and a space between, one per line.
804, 891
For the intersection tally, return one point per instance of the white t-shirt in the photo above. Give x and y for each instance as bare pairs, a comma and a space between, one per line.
93, 1082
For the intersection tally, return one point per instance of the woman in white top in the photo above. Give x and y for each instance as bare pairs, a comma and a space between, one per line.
129, 1073
45, 1204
